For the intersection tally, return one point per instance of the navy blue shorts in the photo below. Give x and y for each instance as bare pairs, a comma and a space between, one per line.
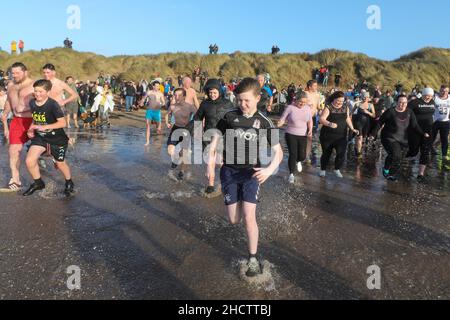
239, 185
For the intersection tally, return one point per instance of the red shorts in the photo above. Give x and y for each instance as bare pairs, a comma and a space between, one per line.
18, 130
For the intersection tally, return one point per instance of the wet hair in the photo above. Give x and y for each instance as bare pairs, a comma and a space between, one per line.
49, 66
46, 84
19, 65
248, 84
310, 83
444, 86
181, 90
402, 96
301, 95
336, 95
69, 77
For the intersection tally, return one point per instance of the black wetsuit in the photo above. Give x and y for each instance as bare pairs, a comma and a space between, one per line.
334, 138
394, 136
424, 113
212, 111
264, 102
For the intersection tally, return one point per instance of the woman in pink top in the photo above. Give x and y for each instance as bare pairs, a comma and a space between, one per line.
299, 128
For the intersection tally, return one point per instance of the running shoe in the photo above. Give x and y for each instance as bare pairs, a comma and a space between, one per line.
69, 188
210, 189
392, 178
386, 173
299, 167
338, 174
322, 173
33, 188
291, 179
254, 268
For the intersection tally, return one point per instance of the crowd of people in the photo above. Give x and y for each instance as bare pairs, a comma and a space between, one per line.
407, 125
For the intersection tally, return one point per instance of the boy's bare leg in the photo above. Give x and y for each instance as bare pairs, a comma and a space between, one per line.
65, 170
148, 128
249, 213
33, 156
234, 213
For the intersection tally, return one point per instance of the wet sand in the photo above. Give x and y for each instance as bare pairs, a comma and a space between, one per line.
136, 234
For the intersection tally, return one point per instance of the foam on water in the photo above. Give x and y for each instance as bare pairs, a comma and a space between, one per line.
51, 191
174, 196
264, 281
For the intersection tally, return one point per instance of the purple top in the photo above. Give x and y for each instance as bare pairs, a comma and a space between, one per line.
297, 119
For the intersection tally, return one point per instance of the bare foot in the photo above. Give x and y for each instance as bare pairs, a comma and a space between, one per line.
147, 144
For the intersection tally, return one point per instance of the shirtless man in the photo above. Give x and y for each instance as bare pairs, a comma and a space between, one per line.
191, 94
59, 87
20, 92
155, 100
181, 113
314, 102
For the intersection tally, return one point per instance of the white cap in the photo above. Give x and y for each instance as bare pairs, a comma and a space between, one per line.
427, 92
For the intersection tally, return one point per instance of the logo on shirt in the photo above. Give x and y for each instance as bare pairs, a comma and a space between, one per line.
246, 135
257, 124
236, 120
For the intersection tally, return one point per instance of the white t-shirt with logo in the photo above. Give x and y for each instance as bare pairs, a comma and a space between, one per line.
442, 109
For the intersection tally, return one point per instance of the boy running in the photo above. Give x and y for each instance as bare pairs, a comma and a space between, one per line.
243, 131
155, 100
47, 135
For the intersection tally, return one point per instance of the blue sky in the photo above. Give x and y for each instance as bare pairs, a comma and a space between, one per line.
113, 27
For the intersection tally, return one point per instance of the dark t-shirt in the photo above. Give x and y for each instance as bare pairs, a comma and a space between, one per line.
130, 90
424, 113
49, 113
243, 137
397, 125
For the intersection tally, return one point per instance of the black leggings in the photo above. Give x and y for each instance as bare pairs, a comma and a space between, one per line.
297, 150
396, 152
418, 143
330, 143
443, 128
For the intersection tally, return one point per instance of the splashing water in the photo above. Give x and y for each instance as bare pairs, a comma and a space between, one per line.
264, 281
